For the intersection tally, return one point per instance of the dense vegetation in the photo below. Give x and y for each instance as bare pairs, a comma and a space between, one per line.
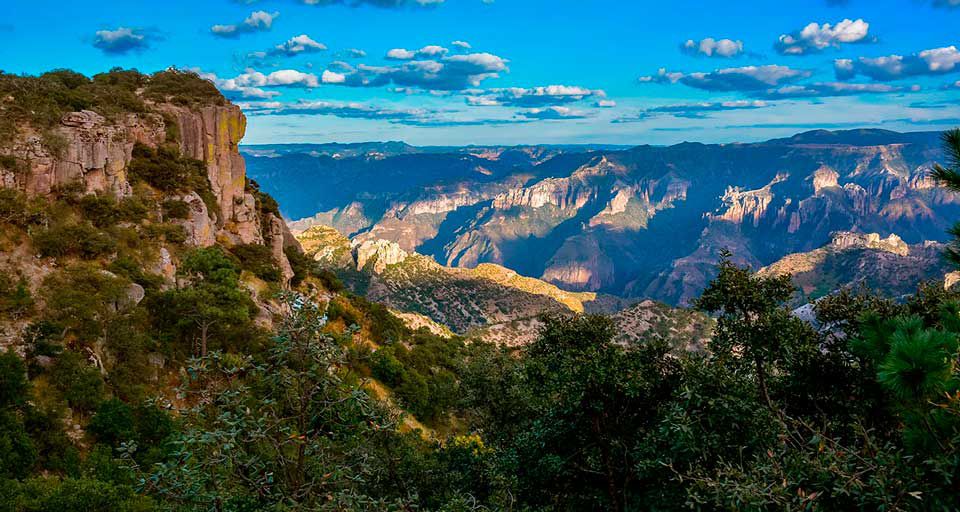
132, 392
41, 101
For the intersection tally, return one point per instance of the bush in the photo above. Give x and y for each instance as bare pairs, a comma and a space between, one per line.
176, 209
164, 169
329, 280
132, 209
101, 210
183, 88
112, 424
257, 259
15, 297
301, 264
81, 240
78, 381
13, 206
386, 367
168, 232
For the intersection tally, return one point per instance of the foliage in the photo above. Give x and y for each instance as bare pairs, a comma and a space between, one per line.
165, 169
287, 430
83, 299
949, 177
73, 239
258, 260
79, 382
211, 309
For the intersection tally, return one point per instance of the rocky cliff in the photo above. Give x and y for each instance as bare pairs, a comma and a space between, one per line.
89, 151
641, 222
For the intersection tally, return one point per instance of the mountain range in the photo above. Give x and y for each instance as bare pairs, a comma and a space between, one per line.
645, 221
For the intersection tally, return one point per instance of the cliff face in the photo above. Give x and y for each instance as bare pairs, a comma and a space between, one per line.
86, 148
642, 222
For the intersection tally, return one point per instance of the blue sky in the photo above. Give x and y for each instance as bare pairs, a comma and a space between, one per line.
438, 72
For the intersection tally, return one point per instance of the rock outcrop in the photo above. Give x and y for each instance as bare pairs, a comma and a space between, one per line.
88, 149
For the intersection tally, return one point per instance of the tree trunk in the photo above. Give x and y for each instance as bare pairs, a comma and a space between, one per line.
762, 382
203, 339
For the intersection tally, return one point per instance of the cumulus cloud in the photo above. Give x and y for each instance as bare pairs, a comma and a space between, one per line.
710, 47
232, 88
461, 44
553, 113
935, 61
747, 78
605, 104
297, 45
251, 83
441, 73
531, 97
258, 21
427, 52
121, 40
815, 37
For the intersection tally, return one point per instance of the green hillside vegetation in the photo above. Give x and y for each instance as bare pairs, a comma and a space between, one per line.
226, 392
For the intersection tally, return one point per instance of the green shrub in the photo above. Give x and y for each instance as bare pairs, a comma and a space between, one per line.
300, 263
176, 209
112, 424
132, 209
168, 232
13, 206
257, 259
329, 280
163, 168
15, 297
81, 240
182, 88
386, 367
101, 210
78, 382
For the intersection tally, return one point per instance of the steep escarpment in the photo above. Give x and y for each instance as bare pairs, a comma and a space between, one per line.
92, 154
646, 221
113, 183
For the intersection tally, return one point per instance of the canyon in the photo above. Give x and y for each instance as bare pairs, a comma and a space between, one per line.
640, 222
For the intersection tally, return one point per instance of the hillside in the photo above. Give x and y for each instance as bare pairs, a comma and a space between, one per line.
145, 173
488, 301
887, 266
642, 222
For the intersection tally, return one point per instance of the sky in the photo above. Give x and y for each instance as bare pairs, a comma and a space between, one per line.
459, 72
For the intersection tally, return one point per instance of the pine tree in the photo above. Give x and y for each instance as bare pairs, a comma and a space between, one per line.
949, 177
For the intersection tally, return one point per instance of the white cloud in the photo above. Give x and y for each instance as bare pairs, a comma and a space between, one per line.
531, 97
427, 52
330, 77
711, 47
461, 44
816, 38
935, 61
298, 45
746, 78
257, 21
233, 89
549, 113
